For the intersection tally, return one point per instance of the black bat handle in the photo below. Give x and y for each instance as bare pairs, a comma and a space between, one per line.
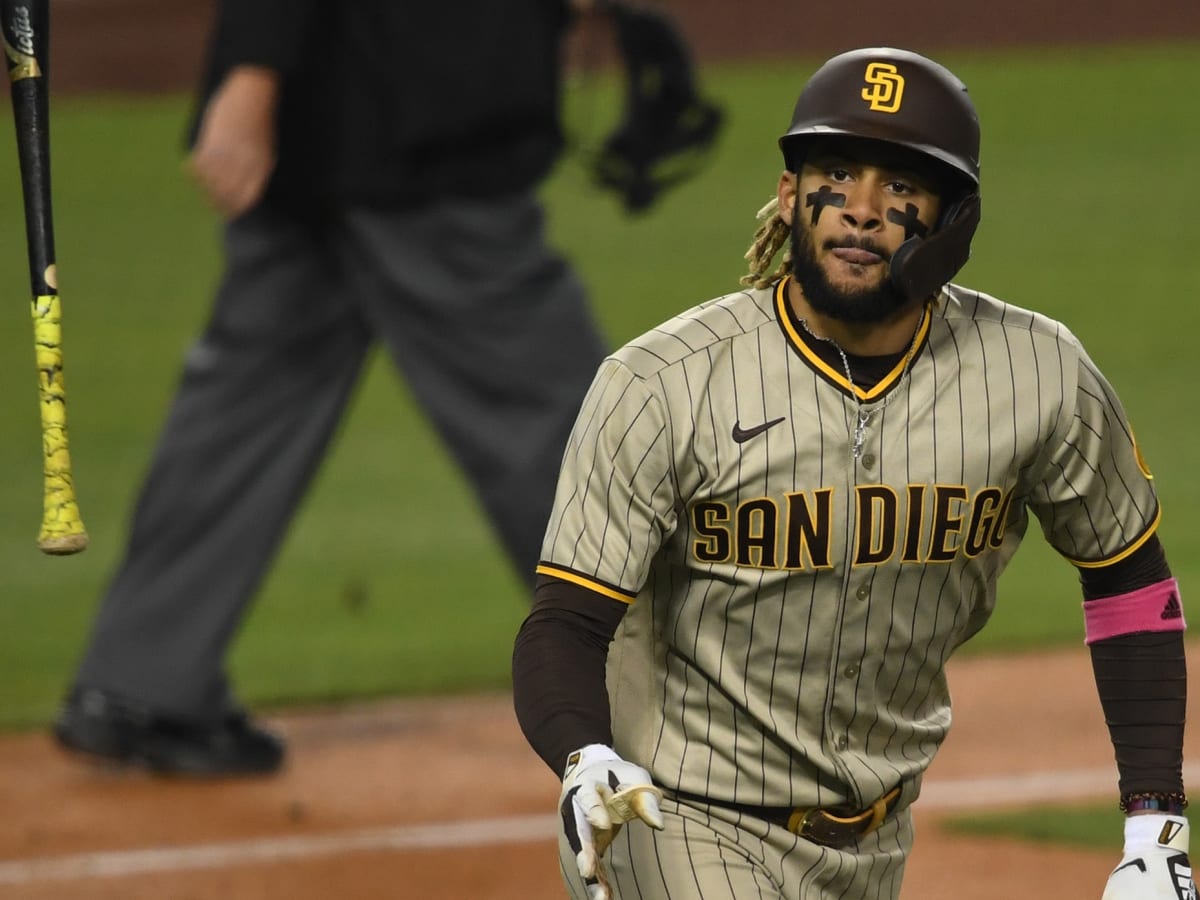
26, 30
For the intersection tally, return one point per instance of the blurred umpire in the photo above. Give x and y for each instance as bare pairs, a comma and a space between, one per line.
375, 165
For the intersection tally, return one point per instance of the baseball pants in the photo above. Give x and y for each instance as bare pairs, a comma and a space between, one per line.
488, 325
717, 854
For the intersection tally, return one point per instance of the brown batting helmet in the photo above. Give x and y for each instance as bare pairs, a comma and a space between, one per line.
897, 96
889, 95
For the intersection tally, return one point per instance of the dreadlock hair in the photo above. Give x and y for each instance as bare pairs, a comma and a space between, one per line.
772, 234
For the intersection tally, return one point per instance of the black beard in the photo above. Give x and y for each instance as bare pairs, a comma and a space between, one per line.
863, 306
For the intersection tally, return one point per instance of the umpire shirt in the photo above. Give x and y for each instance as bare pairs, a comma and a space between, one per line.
397, 102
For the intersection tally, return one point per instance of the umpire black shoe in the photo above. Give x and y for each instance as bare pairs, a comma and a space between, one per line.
108, 728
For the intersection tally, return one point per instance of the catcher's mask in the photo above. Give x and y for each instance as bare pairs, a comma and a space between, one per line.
897, 96
668, 127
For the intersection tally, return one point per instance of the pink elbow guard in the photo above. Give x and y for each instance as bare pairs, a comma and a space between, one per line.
1153, 608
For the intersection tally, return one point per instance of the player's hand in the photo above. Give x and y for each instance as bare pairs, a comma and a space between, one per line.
235, 148
1155, 865
600, 793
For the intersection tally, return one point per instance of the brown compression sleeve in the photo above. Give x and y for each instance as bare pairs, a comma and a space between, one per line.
1143, 567
1141, 680
559, 691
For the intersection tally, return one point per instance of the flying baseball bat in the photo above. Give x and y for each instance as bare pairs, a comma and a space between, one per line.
25, 26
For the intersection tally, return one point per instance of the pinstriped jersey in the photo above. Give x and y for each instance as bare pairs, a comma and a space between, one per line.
791, 602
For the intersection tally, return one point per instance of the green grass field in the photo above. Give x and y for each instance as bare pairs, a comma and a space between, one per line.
1089, 204
1087, 827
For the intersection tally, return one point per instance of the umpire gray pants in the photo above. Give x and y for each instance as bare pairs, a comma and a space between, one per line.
491, 330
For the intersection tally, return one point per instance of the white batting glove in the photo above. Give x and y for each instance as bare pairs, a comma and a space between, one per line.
1155, 865
600, 793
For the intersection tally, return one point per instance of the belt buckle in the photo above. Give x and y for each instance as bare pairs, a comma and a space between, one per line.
837, 827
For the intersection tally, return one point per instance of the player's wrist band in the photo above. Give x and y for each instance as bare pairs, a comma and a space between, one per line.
1173, 803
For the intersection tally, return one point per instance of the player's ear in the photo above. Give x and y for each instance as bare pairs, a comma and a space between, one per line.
786, 194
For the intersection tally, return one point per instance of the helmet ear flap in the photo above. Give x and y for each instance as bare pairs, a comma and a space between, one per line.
921, 266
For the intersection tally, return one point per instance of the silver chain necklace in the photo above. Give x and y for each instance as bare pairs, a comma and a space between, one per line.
863, 416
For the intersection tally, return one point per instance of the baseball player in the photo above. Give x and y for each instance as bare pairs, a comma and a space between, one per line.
781, 512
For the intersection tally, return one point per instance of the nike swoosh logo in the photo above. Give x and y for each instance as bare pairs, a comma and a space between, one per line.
741, 435
1136, 863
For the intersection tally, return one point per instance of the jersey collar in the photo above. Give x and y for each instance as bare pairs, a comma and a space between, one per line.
800, 342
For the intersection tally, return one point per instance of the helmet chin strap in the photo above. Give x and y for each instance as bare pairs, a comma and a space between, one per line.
922, 265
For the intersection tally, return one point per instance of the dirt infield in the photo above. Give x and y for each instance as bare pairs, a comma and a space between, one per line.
441, 799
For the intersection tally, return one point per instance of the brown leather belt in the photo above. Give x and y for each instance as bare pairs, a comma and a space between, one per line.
829, 826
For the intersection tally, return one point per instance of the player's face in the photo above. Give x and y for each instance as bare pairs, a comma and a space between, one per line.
852, 205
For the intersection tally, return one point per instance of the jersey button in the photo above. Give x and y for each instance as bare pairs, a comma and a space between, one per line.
850, 671
843, 742
863, 592
868, 461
